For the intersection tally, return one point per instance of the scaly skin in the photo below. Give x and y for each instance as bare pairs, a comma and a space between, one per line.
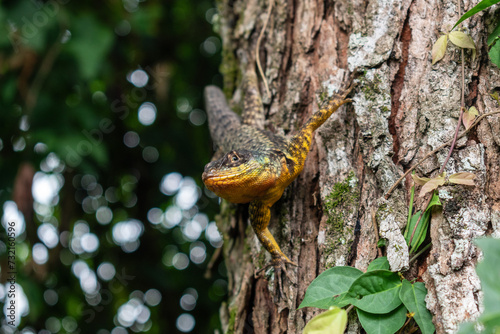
258, 165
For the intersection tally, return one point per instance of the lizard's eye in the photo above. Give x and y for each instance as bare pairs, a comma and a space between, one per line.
234, 158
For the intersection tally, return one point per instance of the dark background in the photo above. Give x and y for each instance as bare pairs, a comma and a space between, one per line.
102, 142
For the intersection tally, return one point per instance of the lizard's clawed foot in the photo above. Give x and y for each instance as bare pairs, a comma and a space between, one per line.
279, 264
340, 98
346, 90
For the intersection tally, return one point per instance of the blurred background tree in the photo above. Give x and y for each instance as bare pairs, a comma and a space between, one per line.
102, 143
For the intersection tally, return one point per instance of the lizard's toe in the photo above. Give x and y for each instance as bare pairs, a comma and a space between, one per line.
279, 265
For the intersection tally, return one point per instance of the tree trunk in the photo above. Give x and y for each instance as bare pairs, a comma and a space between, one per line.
403, 109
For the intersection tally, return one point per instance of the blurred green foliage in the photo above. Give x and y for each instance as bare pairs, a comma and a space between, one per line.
68, 103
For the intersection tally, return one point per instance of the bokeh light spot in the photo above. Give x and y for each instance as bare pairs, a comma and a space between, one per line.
19, 144
192, 230
183, 105
39, 148
131, 139
46, 187
171, 183
198, 252
104, 215
147, 113
138, 78
106, 271
51, 297
188, 302
48, 234
185, 322
173, 216
197, 117
40, 253
188, 194
127, 231
152, 297
180, 261
123, 28
89, 242
12, 215
69, 324
88, 182
213, 235
53, 324
150, 154
155, 216
20, 300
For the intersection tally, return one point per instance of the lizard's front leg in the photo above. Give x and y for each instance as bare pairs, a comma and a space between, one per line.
260, 215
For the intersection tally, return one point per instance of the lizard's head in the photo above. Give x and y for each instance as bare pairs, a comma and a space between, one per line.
241, 176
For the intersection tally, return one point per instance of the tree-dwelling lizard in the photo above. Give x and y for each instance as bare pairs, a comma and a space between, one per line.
252, 165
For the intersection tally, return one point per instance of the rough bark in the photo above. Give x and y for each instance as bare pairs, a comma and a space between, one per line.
403, 108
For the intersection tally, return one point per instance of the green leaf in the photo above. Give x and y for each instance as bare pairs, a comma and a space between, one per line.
376, 291
89, 44
494, 34
413, 297
410, 208
466, 328
462, 40
434, 202
423, 225
379, 263
439, 49
411, 226
476, 9
491, 322
381, 243
328, 284
388, 323
469, 116
495, 54
343, 300
333, 321
488, 271
462, 178
496, 97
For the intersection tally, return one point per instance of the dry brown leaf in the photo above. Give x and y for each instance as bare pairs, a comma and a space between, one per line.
463, 178
419, 180
432, 184
469, 116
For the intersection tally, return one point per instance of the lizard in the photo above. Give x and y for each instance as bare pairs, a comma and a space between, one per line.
252, 165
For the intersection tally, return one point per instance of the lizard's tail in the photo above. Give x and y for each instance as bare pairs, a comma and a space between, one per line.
221, 119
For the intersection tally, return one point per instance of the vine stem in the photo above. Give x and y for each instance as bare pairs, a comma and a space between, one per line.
462, 107
420, 252
476, 122
455, 137
257, 47
374, 222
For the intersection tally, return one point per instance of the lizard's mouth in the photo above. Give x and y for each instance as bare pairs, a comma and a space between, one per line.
212, 176
242, 184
